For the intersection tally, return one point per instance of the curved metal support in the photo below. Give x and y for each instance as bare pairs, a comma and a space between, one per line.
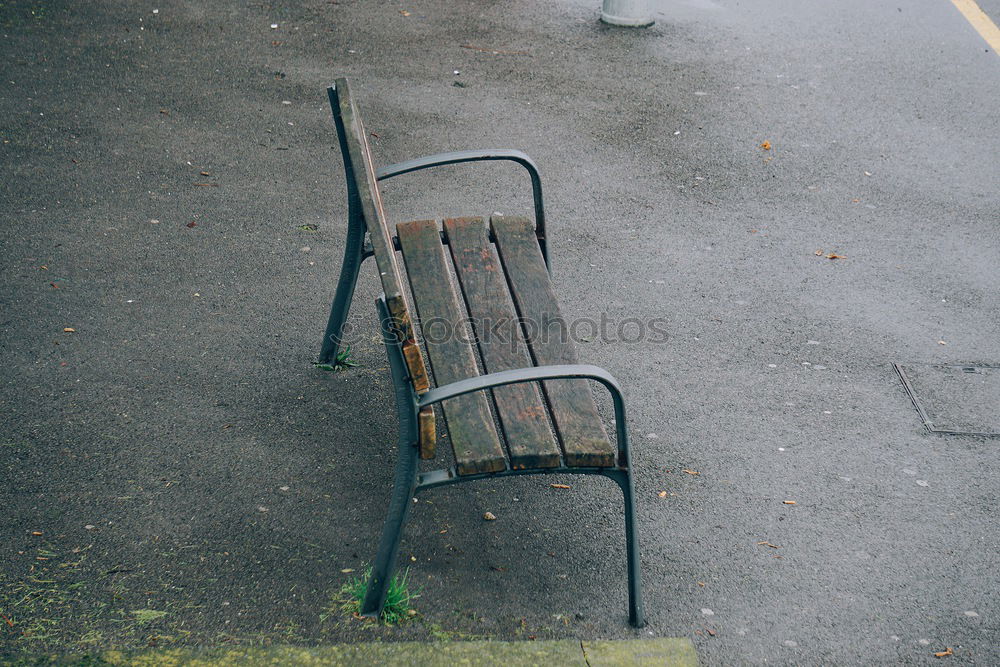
354, 250
405, 485
354, 255
458, 157
622, 475
409, 481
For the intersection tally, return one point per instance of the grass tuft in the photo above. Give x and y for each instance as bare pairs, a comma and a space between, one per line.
398, 601
342, 362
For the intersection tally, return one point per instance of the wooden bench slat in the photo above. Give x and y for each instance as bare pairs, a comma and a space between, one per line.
584, 440
470, 424
361, 170
519, 406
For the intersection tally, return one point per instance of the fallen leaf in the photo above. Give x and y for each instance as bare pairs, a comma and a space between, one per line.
711, 633
691, 472
662, 494
855, 201
490, 516
347, 570
404, 12
768, 544
69, 330
834, 255
818, 253
941, 342
766, 145
191, 224
560, 486
164, 112
204, 173
54, 286
36, 532
946, 652
787, 502
701, 583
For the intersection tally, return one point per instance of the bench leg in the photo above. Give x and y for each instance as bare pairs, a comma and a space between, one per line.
388, 548
636, 611
353, 256
405, 486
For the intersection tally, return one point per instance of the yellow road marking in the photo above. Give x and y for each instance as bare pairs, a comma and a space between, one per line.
980, 21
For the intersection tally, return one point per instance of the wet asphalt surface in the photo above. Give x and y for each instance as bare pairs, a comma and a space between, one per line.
175, 472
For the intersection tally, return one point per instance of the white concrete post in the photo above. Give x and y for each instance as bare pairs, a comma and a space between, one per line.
631, 13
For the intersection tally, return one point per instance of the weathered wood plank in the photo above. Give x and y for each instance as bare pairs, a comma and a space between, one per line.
364, 192
584, 440
470, 424
428, 432
498, 335
362, 172
418, 373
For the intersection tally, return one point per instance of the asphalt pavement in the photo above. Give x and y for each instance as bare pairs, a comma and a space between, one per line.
804, 194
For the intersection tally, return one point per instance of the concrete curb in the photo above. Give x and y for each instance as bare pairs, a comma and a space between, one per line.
670, 651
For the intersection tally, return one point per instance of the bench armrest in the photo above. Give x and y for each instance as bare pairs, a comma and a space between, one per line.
458, 157
555, 372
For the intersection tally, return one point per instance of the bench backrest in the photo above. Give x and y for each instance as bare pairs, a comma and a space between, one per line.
365, 200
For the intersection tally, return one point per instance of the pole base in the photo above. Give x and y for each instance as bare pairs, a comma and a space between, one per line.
626, 21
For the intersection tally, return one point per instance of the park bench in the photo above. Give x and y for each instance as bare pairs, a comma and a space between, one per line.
503, 283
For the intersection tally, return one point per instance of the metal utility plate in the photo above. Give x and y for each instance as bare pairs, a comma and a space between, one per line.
962, 399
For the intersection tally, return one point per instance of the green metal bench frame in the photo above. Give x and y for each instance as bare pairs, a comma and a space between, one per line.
414, 397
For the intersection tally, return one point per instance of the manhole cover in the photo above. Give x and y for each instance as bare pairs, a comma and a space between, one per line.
955, 398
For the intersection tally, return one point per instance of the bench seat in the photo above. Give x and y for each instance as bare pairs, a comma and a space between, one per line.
503, 291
